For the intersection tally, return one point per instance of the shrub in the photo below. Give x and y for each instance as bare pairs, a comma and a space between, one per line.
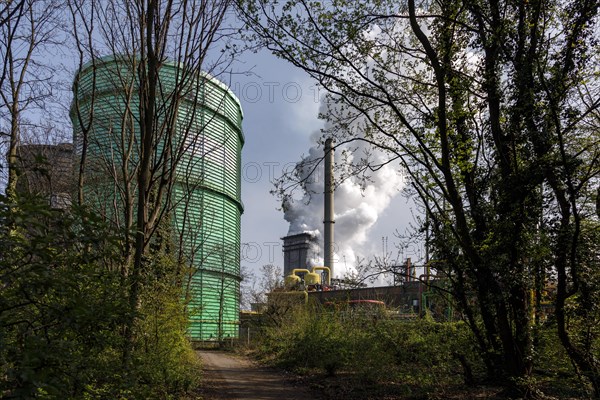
419, 352
63, 306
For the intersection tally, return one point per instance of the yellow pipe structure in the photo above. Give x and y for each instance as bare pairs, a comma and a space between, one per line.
296, 270
324, 269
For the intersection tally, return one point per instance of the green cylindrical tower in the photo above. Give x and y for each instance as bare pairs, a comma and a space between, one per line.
205, 202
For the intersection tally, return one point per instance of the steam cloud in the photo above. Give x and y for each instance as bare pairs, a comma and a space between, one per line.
358, 203
357, 207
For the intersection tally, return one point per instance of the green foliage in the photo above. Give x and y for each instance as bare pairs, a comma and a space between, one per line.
583, 311
60, 307
555, 370
429, 353
313, 341
63, 306
165, 360
491, 109
422, 355
419, 353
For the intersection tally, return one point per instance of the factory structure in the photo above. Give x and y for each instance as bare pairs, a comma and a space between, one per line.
298, 248
205, 202
46, 171
204, 206
409, 296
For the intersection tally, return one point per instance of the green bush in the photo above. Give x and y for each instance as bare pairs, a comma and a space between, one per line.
61, 303
166, 361
64, 303
430, 353
307, 340
418, 352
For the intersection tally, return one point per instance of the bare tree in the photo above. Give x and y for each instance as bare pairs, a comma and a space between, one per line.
28, 30
154, 54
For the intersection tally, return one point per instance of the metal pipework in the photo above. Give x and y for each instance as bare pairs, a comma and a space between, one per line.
302, 270
328, 220
326, 269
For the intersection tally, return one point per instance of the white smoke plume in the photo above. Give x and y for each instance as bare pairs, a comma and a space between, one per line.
358, 204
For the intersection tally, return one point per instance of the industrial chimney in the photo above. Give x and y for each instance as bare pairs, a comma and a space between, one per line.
328, 220
297, 251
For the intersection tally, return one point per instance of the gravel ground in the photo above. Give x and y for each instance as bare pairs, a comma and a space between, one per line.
228, 377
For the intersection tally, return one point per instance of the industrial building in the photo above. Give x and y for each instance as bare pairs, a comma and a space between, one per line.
298, 250
410, 296
46, 170
205, 203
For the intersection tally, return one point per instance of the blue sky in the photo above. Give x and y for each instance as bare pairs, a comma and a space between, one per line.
281, 106
280, 115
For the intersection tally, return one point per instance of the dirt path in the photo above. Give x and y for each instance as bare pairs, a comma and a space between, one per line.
229, 377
